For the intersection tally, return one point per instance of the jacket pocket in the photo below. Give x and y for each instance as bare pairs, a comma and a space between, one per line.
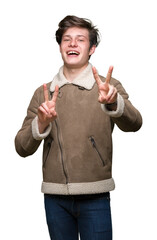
47, 147
94, 145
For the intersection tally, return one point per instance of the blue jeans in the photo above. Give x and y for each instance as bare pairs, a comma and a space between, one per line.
67, 217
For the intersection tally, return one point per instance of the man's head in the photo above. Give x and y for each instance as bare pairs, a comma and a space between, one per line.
77, 38
73, 21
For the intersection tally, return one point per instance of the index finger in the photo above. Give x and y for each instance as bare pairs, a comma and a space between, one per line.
96, 76
109, 74
55, 95
46, 95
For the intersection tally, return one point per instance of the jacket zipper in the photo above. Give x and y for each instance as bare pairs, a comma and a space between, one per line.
49, 146
60, 147
96, 149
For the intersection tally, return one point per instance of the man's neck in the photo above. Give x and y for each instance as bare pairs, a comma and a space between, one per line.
72, 73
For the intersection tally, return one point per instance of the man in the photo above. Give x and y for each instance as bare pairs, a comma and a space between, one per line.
75, 116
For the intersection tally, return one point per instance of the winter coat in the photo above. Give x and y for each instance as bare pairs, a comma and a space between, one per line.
77, 150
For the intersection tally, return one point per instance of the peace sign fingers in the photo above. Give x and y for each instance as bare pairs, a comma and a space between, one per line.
109, 75
47, 110
107, 93
55, 95
96, 76
46, 95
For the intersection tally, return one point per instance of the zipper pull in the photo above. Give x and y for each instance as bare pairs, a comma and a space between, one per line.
92, 141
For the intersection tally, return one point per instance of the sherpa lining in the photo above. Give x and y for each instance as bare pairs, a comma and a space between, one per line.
78, 188
84, 79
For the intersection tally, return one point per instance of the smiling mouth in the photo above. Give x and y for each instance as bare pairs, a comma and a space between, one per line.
73, 53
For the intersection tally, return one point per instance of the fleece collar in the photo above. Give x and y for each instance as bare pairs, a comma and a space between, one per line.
85, 79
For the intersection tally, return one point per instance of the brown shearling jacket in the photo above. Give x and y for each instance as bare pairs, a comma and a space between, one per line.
77, 152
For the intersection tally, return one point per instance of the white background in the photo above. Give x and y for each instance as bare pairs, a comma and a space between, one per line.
29, 57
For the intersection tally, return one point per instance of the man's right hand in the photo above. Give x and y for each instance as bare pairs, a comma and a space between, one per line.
46, 111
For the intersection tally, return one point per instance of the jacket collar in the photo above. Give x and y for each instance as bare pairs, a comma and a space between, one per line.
85, 79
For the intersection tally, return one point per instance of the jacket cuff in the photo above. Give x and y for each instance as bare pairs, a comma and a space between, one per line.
120, 108
35, 130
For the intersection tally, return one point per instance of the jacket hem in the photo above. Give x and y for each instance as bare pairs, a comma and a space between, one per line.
78, 188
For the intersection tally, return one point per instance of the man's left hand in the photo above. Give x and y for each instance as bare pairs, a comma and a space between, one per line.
107, 92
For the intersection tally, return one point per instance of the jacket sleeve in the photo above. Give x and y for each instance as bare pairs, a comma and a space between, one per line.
25, 142
126, 117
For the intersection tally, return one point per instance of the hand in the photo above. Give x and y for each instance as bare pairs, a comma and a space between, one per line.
107, 92
46, 111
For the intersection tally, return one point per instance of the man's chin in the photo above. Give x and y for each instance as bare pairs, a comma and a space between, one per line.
75, 64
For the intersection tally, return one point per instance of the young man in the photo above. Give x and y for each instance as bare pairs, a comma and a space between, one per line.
75, 116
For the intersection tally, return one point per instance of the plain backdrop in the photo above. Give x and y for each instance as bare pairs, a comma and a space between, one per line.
29, 57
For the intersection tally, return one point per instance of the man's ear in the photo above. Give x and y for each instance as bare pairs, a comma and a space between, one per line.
92, 50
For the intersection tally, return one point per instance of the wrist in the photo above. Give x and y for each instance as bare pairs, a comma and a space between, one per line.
111, 106
42, 126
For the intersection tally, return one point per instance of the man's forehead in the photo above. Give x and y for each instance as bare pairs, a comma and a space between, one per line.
75, 31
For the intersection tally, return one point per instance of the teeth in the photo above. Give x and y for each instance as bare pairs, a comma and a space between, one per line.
73, 52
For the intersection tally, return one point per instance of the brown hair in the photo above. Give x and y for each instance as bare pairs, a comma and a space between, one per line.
73, 21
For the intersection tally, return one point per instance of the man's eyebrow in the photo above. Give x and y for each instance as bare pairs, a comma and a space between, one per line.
79, 35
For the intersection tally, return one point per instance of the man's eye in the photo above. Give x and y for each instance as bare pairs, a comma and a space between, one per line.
66, 39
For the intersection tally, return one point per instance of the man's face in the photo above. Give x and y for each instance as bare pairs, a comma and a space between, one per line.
75, 47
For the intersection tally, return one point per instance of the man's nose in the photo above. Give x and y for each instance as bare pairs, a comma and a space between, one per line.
73, 43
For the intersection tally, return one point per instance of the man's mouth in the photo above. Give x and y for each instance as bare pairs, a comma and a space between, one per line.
71, 53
